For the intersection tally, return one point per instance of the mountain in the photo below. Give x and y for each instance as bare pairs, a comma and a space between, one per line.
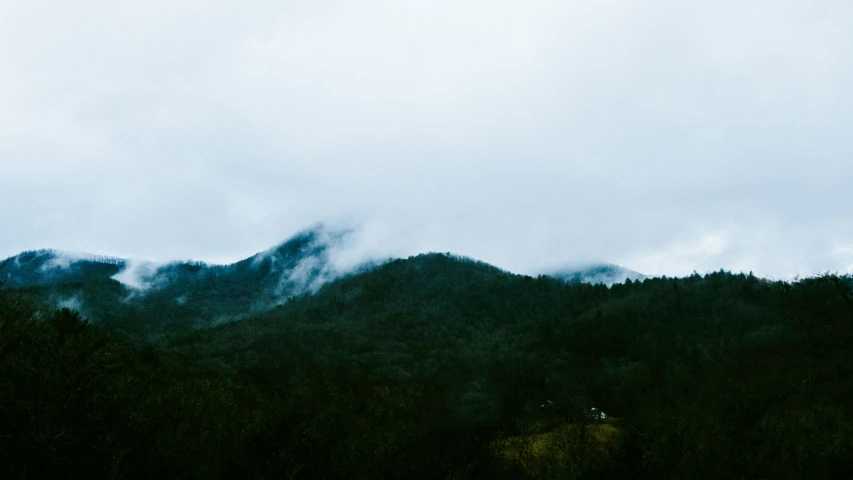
42, 267
391, 322
434, 366
298, 265
179, 294
495, 341
144, 299
605, 273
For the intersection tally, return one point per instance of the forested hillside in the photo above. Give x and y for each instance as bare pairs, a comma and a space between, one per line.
442, 367
143, 301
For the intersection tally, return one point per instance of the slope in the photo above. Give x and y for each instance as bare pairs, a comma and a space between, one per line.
145, 301
498, 341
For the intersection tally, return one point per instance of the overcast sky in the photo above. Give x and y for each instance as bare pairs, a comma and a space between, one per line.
665, 135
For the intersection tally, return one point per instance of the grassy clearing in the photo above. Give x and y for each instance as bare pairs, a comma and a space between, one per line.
572, 443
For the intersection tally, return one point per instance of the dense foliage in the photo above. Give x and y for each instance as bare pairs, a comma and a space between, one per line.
143, 301
441, 367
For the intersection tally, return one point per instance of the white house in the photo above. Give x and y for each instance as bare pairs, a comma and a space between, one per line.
597, 414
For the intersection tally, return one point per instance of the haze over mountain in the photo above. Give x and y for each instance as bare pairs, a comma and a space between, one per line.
665, 136
604, 273
194, 294
598, 177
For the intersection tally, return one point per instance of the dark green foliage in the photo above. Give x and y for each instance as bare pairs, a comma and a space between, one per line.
177, 297
45, 267
420, 367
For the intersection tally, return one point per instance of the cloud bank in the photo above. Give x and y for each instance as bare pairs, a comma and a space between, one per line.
661, 135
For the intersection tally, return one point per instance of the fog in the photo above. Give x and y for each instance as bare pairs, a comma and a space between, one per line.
668, 137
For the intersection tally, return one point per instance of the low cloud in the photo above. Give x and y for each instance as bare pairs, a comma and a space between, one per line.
845, 254
637, 133
332, 252
682, 258
71, 303
138, 275
60, 260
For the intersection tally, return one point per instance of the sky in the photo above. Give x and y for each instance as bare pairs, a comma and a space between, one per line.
663, 135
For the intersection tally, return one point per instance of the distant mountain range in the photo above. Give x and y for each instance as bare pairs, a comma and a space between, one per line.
298, 265
195, 294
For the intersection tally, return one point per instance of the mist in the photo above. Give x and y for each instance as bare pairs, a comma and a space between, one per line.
662, 136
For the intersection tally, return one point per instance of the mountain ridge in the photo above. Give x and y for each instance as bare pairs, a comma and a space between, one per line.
192, 294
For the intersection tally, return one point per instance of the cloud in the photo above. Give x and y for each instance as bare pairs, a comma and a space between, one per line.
61, 260
331, 252
306, 277
138, 275
682, 258
526, 135
71, 303
845, 252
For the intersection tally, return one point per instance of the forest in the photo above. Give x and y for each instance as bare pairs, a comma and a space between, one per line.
434, 367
